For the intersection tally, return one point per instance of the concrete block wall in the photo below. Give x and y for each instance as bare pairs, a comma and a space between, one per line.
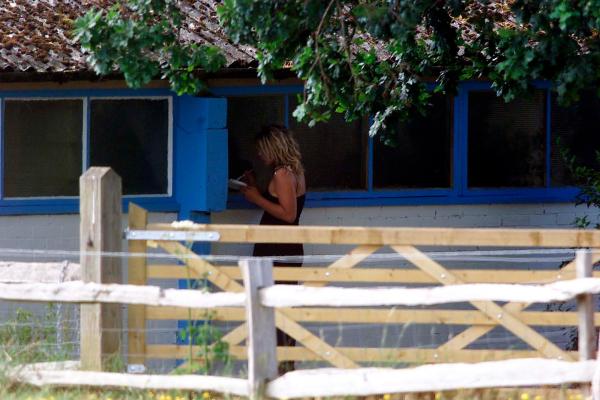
61, 232
34, 234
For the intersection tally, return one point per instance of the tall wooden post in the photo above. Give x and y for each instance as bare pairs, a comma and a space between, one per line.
100, 231
262, 342
585, 308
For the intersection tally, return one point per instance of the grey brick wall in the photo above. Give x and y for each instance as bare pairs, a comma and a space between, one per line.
48, 232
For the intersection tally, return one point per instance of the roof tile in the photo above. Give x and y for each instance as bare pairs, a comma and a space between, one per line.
35, 34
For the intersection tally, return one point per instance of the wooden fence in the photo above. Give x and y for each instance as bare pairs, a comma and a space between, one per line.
482, 318
287, 307
262, 299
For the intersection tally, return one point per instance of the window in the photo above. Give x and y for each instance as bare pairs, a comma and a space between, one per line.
42, 147
423, 158
577, 128
246, 116
506, 141
332, 152
132, 136
471, 148
48, 143
342, 169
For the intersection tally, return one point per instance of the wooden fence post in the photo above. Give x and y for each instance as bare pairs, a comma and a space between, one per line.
100, 231
137, 275
262, 342
585, 308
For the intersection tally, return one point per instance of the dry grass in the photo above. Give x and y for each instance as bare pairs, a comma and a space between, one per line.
19, 392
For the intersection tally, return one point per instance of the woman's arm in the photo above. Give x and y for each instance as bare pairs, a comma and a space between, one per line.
284, 185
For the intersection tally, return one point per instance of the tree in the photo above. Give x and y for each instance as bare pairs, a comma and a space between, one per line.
361, 57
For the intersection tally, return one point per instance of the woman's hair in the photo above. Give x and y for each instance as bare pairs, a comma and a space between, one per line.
278, 144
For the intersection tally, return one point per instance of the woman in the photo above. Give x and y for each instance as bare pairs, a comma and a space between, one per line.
282, 202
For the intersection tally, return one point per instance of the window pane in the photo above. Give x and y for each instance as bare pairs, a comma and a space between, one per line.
245, 117
332, 151
132, 137
423, 158
577, 128
42, 147
507, 141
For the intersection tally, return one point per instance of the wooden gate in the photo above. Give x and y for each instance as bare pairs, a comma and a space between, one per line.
481, 319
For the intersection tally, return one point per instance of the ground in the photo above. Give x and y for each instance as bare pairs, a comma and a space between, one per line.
28, 393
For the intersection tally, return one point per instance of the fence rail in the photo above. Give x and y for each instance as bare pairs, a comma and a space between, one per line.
280, 296
267, 306
321, 382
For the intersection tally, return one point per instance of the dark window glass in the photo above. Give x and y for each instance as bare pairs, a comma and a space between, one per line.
507, 141
423, 157
579, 132
42, 147
245, 117
332, 152
132, 137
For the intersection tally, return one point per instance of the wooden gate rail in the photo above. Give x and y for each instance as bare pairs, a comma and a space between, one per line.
483, 318
378, 275
558, 238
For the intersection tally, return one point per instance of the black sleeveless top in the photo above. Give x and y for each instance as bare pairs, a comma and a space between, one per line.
280, 249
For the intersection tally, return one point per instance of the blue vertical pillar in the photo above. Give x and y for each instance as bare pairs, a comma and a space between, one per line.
200, 166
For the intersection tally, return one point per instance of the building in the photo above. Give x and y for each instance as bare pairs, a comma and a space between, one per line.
475, 161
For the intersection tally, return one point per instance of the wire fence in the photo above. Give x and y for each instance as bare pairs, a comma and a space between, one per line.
376, 336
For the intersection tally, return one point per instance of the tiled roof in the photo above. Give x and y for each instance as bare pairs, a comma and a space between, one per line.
35, 35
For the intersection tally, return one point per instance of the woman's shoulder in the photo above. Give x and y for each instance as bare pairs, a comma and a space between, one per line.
283, 169
283, 173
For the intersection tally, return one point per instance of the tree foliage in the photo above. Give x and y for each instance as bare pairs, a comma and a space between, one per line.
358, 57
141, 40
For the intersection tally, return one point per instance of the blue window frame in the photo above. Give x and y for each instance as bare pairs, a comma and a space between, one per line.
458, 193
69, 204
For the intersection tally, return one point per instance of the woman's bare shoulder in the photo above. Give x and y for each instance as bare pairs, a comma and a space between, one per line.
284, 174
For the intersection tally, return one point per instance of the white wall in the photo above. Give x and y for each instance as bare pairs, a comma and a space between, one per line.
33, 234
61, 232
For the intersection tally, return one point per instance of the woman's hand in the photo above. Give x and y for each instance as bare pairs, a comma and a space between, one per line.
249, 177
251, 194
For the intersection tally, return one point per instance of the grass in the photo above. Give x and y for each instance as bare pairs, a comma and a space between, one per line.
14, 392
20, 392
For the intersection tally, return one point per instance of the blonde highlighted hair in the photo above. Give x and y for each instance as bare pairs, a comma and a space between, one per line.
278, 144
